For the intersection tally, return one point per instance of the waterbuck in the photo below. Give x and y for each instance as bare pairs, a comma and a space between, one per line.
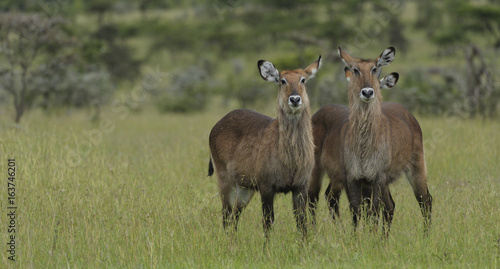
253, 152
368, 145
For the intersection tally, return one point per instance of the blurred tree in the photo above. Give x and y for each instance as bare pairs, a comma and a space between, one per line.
105, 47
175, 37
467, 21
145, 5
12, 5
62, 85
245, 85
355, 8
288, 4
428, 90
388, 19
397, 38
331, 89
480, 89
99, 7
25, 39
188, 91
43, 66
428, 16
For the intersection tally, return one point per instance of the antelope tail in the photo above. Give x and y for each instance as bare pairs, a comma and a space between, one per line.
210, 168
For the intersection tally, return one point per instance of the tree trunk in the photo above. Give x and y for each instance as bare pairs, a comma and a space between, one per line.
20, 104
472, 81
478, 80
19, 113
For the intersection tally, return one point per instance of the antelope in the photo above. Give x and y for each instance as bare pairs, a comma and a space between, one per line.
253, 152
367, 146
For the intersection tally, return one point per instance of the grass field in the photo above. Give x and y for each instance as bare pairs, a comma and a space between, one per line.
140, 198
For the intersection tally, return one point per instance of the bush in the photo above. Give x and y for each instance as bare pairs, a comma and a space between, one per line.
329, 90
426, 92
60, 85
187, 92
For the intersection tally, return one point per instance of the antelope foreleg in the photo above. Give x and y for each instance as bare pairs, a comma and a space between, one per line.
267, 212
299, 209
354, 194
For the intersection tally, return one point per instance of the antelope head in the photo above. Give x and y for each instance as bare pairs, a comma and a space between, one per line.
292, 97
362, 75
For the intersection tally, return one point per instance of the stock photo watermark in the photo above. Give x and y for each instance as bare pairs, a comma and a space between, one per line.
11, 209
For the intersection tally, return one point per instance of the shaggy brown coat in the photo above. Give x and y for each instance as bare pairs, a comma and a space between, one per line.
253, 152
368, 145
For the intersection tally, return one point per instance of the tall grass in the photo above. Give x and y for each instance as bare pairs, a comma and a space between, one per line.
141, 198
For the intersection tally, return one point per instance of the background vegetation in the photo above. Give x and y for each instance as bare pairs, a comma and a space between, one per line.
72, 53
106, 105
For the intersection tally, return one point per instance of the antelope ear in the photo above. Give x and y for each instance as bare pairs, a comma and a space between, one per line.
345, 57
348, 73
386, 57
313, 68
268, 72
389, 81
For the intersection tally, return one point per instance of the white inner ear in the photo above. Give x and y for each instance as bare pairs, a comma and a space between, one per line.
315, 70
313, 73
269, 72
386, 58
387, 82
382, 83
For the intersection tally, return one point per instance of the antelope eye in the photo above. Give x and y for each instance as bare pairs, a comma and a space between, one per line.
356, 71
303, 80
374, 70
283, 82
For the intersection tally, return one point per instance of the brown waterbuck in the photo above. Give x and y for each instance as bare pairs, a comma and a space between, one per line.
368, 145
253, 152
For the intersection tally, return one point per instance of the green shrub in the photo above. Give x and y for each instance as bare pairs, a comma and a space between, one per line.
187, 92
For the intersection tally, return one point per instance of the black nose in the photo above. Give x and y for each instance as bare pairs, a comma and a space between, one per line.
294, 100
368, 93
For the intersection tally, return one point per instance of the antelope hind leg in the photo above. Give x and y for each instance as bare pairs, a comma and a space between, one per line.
388, 209
313, 192
417, 177
354, 194
332, 195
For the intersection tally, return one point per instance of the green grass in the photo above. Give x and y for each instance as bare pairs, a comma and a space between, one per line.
141, 198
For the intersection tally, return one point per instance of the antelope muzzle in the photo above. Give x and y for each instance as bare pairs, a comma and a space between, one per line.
294, 101
366, 94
